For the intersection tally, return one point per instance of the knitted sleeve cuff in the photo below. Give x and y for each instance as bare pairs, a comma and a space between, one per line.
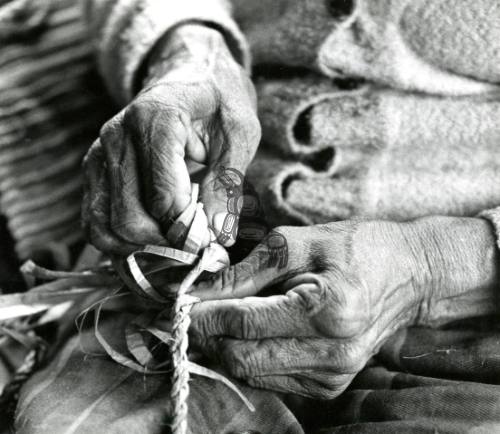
493, 215
131, 28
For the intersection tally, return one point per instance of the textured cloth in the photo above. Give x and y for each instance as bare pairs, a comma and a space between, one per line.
119, 400
51, 109
423, 381
375, 153
434, 46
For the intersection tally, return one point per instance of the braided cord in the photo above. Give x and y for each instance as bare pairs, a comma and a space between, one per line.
180, 381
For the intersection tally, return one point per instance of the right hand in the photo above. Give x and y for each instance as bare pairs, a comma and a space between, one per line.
198, 105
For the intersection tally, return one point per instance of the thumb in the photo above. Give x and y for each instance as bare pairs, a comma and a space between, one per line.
222, 195
223, 188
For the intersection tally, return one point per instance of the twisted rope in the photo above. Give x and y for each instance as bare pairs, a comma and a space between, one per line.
211, 258
180, 379
200, 252
181, 322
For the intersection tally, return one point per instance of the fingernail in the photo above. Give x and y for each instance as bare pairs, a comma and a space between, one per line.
225, 226
218, 221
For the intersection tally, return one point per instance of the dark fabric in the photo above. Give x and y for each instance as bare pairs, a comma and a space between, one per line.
83, 391
422, 381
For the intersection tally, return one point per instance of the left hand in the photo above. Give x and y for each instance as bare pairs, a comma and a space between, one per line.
197, 109
346, 287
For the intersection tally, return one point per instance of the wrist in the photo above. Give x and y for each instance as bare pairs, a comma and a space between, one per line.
456, 268
192, 44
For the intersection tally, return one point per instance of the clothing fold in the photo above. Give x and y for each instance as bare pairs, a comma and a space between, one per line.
373, 152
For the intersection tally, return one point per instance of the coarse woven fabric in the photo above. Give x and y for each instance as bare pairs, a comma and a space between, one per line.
423, 381
52, 107
374, 152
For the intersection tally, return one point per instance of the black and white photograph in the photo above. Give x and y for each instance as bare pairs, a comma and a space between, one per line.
249, 216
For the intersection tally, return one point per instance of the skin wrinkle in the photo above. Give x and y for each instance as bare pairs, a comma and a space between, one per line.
361, 271
393, 300
184, 107
345, 356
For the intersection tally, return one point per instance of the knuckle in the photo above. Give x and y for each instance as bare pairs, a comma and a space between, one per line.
135, 114
312, 301
109, 130
239, 362
340, 313
353, 358
240, 323
353, 310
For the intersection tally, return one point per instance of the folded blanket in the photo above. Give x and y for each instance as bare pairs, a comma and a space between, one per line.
375, 153
445, 47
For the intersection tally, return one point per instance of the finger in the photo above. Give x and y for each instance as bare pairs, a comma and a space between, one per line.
262, 268
314, 385
159, 135
129, 219
294, 314
312, 308
96, 211
250, 318
223, 202
277, 357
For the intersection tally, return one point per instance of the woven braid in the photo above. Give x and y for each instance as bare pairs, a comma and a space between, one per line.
180, 380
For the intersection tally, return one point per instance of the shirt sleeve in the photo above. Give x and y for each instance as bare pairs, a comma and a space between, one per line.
493, 215
125, 31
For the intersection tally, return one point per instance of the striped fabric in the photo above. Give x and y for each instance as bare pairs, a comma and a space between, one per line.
51, 108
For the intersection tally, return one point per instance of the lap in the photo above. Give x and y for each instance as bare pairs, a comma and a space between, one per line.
423, 381
82, 391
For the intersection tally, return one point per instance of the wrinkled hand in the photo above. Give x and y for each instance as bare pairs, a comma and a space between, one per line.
346, 287
198, 106
343, 290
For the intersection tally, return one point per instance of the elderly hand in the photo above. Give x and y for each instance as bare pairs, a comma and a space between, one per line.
198, 106
345, 288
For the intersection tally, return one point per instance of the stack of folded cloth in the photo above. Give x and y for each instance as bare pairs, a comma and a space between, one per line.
414, 131
373, 152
